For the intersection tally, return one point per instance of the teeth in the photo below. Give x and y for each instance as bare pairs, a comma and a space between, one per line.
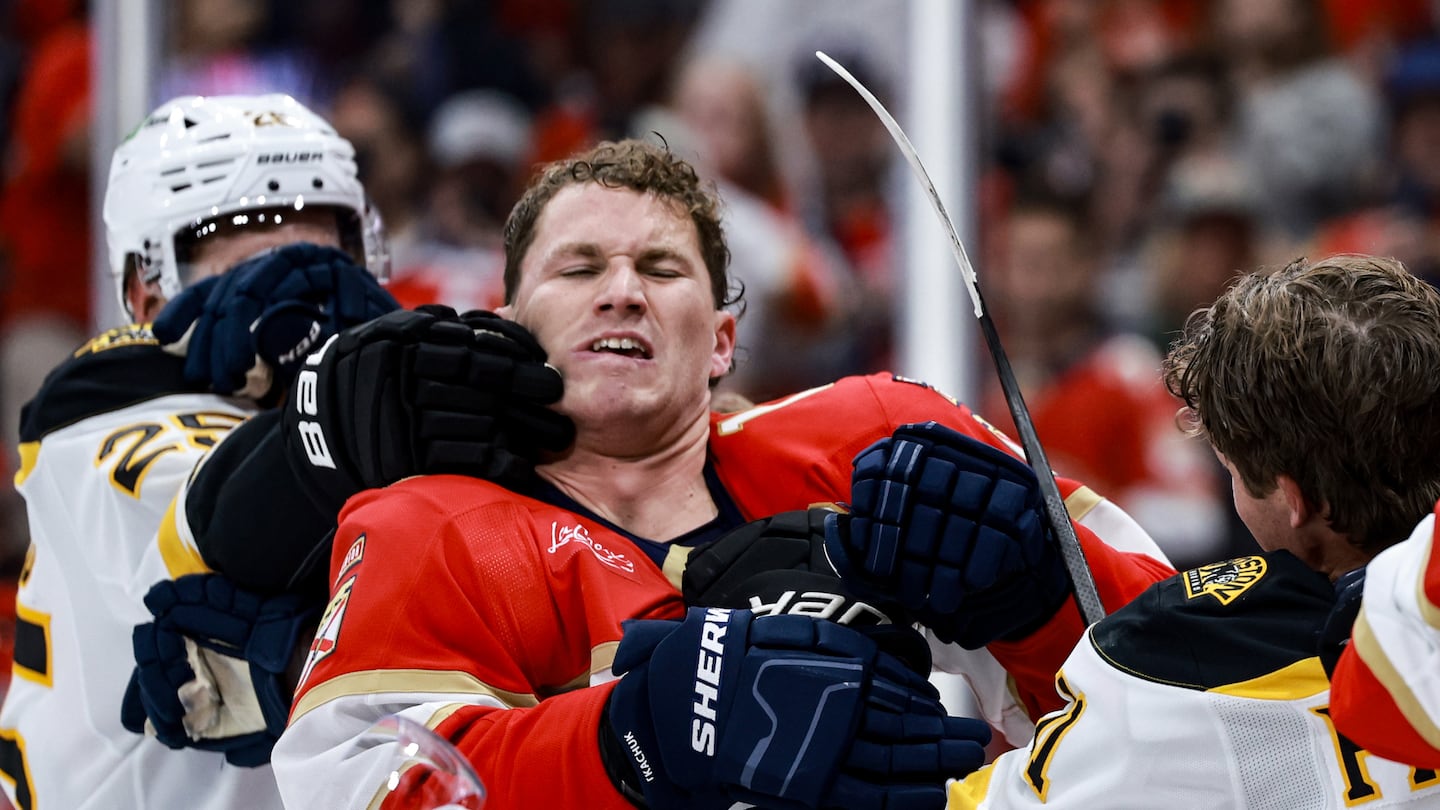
617, 344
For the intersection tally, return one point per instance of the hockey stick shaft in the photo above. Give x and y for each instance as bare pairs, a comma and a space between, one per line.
1085, 593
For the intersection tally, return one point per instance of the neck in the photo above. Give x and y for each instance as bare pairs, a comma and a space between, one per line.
659, 495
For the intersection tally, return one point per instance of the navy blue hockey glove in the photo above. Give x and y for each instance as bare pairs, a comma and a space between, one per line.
1335, 634
781, 711
778, 565
275, 307
428, 391
954, 530
211, 669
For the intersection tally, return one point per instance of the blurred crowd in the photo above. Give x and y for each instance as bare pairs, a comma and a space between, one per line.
1136, 154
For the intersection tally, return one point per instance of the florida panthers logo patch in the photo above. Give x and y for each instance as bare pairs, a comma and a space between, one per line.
1225, 580
327, 635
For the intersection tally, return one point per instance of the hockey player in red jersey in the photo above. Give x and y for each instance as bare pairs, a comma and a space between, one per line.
501, 618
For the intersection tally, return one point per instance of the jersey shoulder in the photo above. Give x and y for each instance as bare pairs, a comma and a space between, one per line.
1220, 625
115, 369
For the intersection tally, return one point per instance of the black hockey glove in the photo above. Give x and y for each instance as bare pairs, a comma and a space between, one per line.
952, 529
1335, 634
246, 331
211, 668
780, 711
777, 565
427, 391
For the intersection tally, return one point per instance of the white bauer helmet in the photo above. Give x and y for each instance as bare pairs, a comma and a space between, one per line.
204, 165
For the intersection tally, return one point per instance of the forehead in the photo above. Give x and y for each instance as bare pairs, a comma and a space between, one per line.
596, 214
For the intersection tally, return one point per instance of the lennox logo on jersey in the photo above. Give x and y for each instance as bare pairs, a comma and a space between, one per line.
327, 635
1225, 580
564, 536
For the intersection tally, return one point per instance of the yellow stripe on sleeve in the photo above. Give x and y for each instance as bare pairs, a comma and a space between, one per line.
180, 557
970, 792
29, 453
1301, 679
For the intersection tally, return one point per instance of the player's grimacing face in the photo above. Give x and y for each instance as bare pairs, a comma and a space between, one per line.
615, 289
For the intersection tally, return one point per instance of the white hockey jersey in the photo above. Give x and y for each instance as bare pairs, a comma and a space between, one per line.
105, 445
1204, 692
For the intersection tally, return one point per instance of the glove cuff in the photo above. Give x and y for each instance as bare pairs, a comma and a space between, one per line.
616, 761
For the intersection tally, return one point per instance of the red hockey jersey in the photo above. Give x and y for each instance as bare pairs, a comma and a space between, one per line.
484, 614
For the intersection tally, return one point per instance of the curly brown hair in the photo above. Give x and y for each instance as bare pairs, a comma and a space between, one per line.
636, 165
1328, 373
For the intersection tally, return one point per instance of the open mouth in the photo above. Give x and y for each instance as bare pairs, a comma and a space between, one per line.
626, 346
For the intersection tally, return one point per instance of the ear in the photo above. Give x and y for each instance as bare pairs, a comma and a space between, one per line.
144, 298
724, 352
1301, 510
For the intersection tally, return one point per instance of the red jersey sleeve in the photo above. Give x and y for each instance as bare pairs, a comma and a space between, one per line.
452, 590
1120, 576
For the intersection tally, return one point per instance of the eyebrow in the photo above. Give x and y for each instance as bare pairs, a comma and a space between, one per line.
590, 250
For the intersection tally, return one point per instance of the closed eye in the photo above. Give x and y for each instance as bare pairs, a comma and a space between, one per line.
579, 271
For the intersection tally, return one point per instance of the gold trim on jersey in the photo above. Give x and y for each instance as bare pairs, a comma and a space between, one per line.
970, 793
30, 616
406, 681
1362, 638
1081, 501
674, 566
29, 454
736, 423
1301, 679
602, 658
180, 557
440, 716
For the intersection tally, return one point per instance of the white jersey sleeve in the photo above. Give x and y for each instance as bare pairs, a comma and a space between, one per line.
1151, 723
105, 447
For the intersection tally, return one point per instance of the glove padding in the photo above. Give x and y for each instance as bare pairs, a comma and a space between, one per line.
952, 529
782, 711
777, 565
210, 670
246, 331
1335, 633
424, 391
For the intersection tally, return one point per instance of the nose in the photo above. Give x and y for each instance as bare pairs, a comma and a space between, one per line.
622, 288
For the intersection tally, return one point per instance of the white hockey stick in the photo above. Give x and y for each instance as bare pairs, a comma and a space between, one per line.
1088, 598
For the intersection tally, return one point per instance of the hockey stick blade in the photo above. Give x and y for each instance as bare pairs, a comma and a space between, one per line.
1086, 595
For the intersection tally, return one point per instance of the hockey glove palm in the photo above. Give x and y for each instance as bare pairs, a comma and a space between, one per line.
782, 711
246, 331
952, 529
210, 670
427, 391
